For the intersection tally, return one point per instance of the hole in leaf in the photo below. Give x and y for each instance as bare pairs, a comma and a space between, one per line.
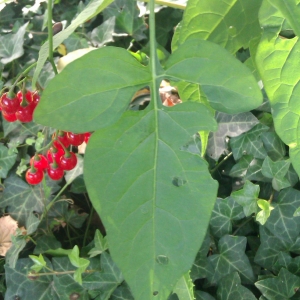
177, 181
162, 259
17, 297
168, 94
155, 293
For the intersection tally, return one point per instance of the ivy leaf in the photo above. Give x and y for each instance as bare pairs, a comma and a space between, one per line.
103, 283
21, 200
103, 34
241, 167
284, 286
232, 258
249, 143
230, 288
210, 63
224, 213
18, 244
39, 262
11, 45
41, 288
100, 244
202, 22
122, 293
281, 222
92, 9
7, 160
247, 197
64, 284
273, 145
263, 215
228, 126
203, 296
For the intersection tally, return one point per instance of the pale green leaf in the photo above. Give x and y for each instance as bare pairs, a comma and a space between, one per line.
103, 34
100, 244
228, 85
263, 215
185, 288
231, 24
93, 8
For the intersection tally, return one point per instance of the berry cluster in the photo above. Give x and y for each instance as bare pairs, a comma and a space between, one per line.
58, 158
18, 107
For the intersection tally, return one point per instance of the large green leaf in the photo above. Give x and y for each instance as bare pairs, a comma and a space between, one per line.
93, 91
235, 92
278, 64
231, 24
92, 9
157, 206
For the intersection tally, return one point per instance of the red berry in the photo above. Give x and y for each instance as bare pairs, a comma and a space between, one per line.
68, 161
87, 136
34, 176
9, 117
35, 98
75, 139
9, 105
62, 137
28, 96
39, 162
56, 154
55, 172
25, 113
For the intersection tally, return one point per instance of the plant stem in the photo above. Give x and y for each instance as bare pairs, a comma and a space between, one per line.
59, 273
242, 224
220, 163
88, 226
50, 36
168, 3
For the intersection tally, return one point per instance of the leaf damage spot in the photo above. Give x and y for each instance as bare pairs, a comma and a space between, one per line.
162, 259
155, 293
177, 181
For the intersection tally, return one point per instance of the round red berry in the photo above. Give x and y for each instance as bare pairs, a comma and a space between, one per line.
62, 137
9, 117
34, 176
55, 153
87, 136
68, 161
39, 162
9, 105
75, 139
55, 172
25, 113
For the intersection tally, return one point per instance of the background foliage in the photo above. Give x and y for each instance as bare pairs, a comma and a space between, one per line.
220, 51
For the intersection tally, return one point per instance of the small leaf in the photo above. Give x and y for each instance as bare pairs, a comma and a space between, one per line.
247, 197
39, 262
276, 169
103, 34
224, 213
263, 215
100, 244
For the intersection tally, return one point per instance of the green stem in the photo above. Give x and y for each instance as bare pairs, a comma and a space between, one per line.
59, 273
50, 36
88, 226
220, 163
23, 73
169, 4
